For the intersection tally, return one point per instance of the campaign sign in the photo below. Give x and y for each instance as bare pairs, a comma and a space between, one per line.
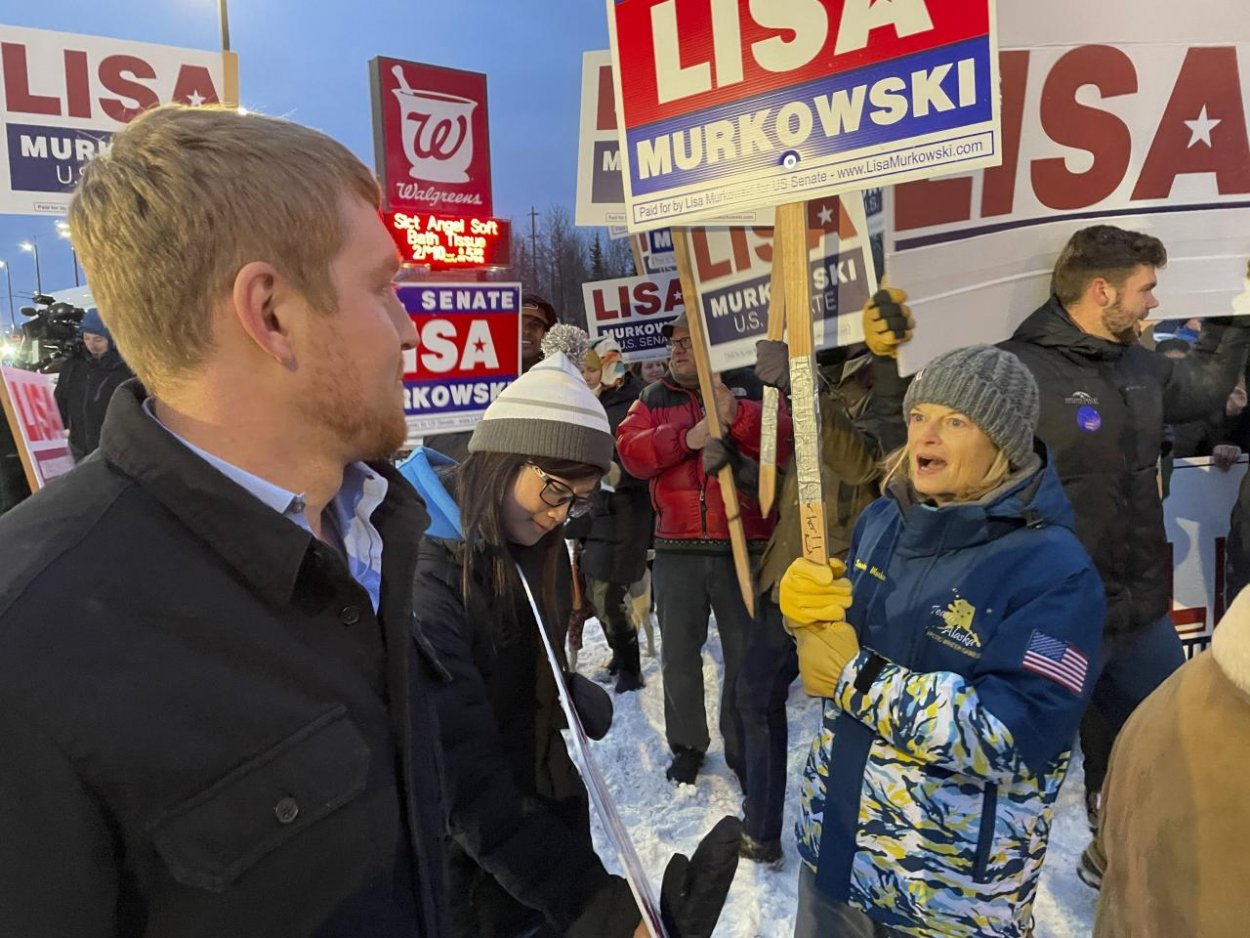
658, 255
443, 242
600, 190
65, 95
34, 418
736, 105
1195, 515
1147, 136
468, 351
600, 185
732, 269
633, 310
431, 137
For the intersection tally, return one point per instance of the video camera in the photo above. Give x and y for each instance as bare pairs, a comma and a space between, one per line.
52, 332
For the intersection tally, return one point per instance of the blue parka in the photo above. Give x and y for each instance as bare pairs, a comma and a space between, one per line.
927, 799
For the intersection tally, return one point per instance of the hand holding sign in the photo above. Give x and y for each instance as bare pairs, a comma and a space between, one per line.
726, 403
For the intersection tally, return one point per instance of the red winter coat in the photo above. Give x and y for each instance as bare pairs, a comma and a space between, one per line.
651, 442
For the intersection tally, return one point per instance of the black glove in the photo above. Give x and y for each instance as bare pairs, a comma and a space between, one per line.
772, 364
694, 890
717, 454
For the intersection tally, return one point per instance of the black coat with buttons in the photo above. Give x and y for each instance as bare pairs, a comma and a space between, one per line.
205, 729
1103, 407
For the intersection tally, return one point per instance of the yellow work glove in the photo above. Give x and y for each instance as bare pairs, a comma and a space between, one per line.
824, 650
813, 592
887, 322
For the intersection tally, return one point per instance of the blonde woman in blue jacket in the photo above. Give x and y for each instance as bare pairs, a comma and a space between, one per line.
956, 655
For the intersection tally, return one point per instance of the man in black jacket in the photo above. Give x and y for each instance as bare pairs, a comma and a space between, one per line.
214, 717
86, 384
1104, 401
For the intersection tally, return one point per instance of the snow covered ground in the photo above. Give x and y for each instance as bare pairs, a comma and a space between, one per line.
664, 818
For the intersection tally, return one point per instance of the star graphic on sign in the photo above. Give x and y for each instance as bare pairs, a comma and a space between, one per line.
825, 215
479, 345
1200, 129
195, 99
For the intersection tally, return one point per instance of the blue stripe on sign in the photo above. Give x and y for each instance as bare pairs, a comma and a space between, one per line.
817, 147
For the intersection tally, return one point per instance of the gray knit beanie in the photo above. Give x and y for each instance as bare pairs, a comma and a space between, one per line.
992, 387
548, 411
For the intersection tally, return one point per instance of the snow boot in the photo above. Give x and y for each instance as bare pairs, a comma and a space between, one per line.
764, 852
628, 681
1091, 866
685, 766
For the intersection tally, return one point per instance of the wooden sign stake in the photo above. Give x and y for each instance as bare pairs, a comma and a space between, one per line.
790, 235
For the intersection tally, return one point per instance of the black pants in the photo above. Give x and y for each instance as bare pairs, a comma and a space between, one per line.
1131, 666
687, 587
608, 600
770, 668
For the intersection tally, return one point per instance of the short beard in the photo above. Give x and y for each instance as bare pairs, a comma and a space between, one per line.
337, 407
1113, 320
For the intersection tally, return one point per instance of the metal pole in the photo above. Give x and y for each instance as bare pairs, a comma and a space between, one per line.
34, 249
8, 274
534, 243
74, 255
225, 25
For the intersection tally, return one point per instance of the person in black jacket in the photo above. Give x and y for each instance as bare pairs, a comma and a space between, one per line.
1104, 401
86, 384
214, 718
614, 554
522, 859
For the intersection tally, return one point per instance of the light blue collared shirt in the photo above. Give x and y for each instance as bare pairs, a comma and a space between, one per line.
351, 510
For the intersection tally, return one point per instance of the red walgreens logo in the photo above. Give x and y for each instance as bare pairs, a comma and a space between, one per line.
431, 137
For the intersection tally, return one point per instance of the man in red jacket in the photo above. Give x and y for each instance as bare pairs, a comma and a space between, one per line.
661, 440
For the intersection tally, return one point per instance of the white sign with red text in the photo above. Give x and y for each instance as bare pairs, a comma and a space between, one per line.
35, 419
732, 270
1146, 136
600, 186
730, 106
65, 95
633, 310
1196, 514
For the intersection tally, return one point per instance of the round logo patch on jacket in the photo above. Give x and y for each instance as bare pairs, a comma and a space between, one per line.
1088, 419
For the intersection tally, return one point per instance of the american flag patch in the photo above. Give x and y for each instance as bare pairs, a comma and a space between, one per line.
1056, 660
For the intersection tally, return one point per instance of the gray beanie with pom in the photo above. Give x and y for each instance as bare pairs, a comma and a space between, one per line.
991, 387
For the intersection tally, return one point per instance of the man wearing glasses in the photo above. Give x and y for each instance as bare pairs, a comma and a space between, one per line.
661, 440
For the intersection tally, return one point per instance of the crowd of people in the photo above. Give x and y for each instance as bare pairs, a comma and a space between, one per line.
257, 680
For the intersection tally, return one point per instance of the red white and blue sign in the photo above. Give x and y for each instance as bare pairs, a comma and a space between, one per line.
634, 311
63, 96
468, 351
729, 106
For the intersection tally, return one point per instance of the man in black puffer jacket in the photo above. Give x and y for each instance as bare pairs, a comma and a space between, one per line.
1104, 401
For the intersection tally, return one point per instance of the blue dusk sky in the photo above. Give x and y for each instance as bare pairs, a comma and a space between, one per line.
307, 60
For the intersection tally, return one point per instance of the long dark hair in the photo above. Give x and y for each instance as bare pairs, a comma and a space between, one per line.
480, 485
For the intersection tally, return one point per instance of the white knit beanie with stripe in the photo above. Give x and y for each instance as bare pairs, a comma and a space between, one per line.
548, 411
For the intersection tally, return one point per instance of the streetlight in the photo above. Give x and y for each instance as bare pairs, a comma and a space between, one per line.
9, 276
62, 230
32, 247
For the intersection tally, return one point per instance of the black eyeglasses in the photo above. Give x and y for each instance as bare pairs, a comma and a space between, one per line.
685, 343
556, 494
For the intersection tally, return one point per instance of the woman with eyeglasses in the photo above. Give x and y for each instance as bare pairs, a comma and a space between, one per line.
522, 862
